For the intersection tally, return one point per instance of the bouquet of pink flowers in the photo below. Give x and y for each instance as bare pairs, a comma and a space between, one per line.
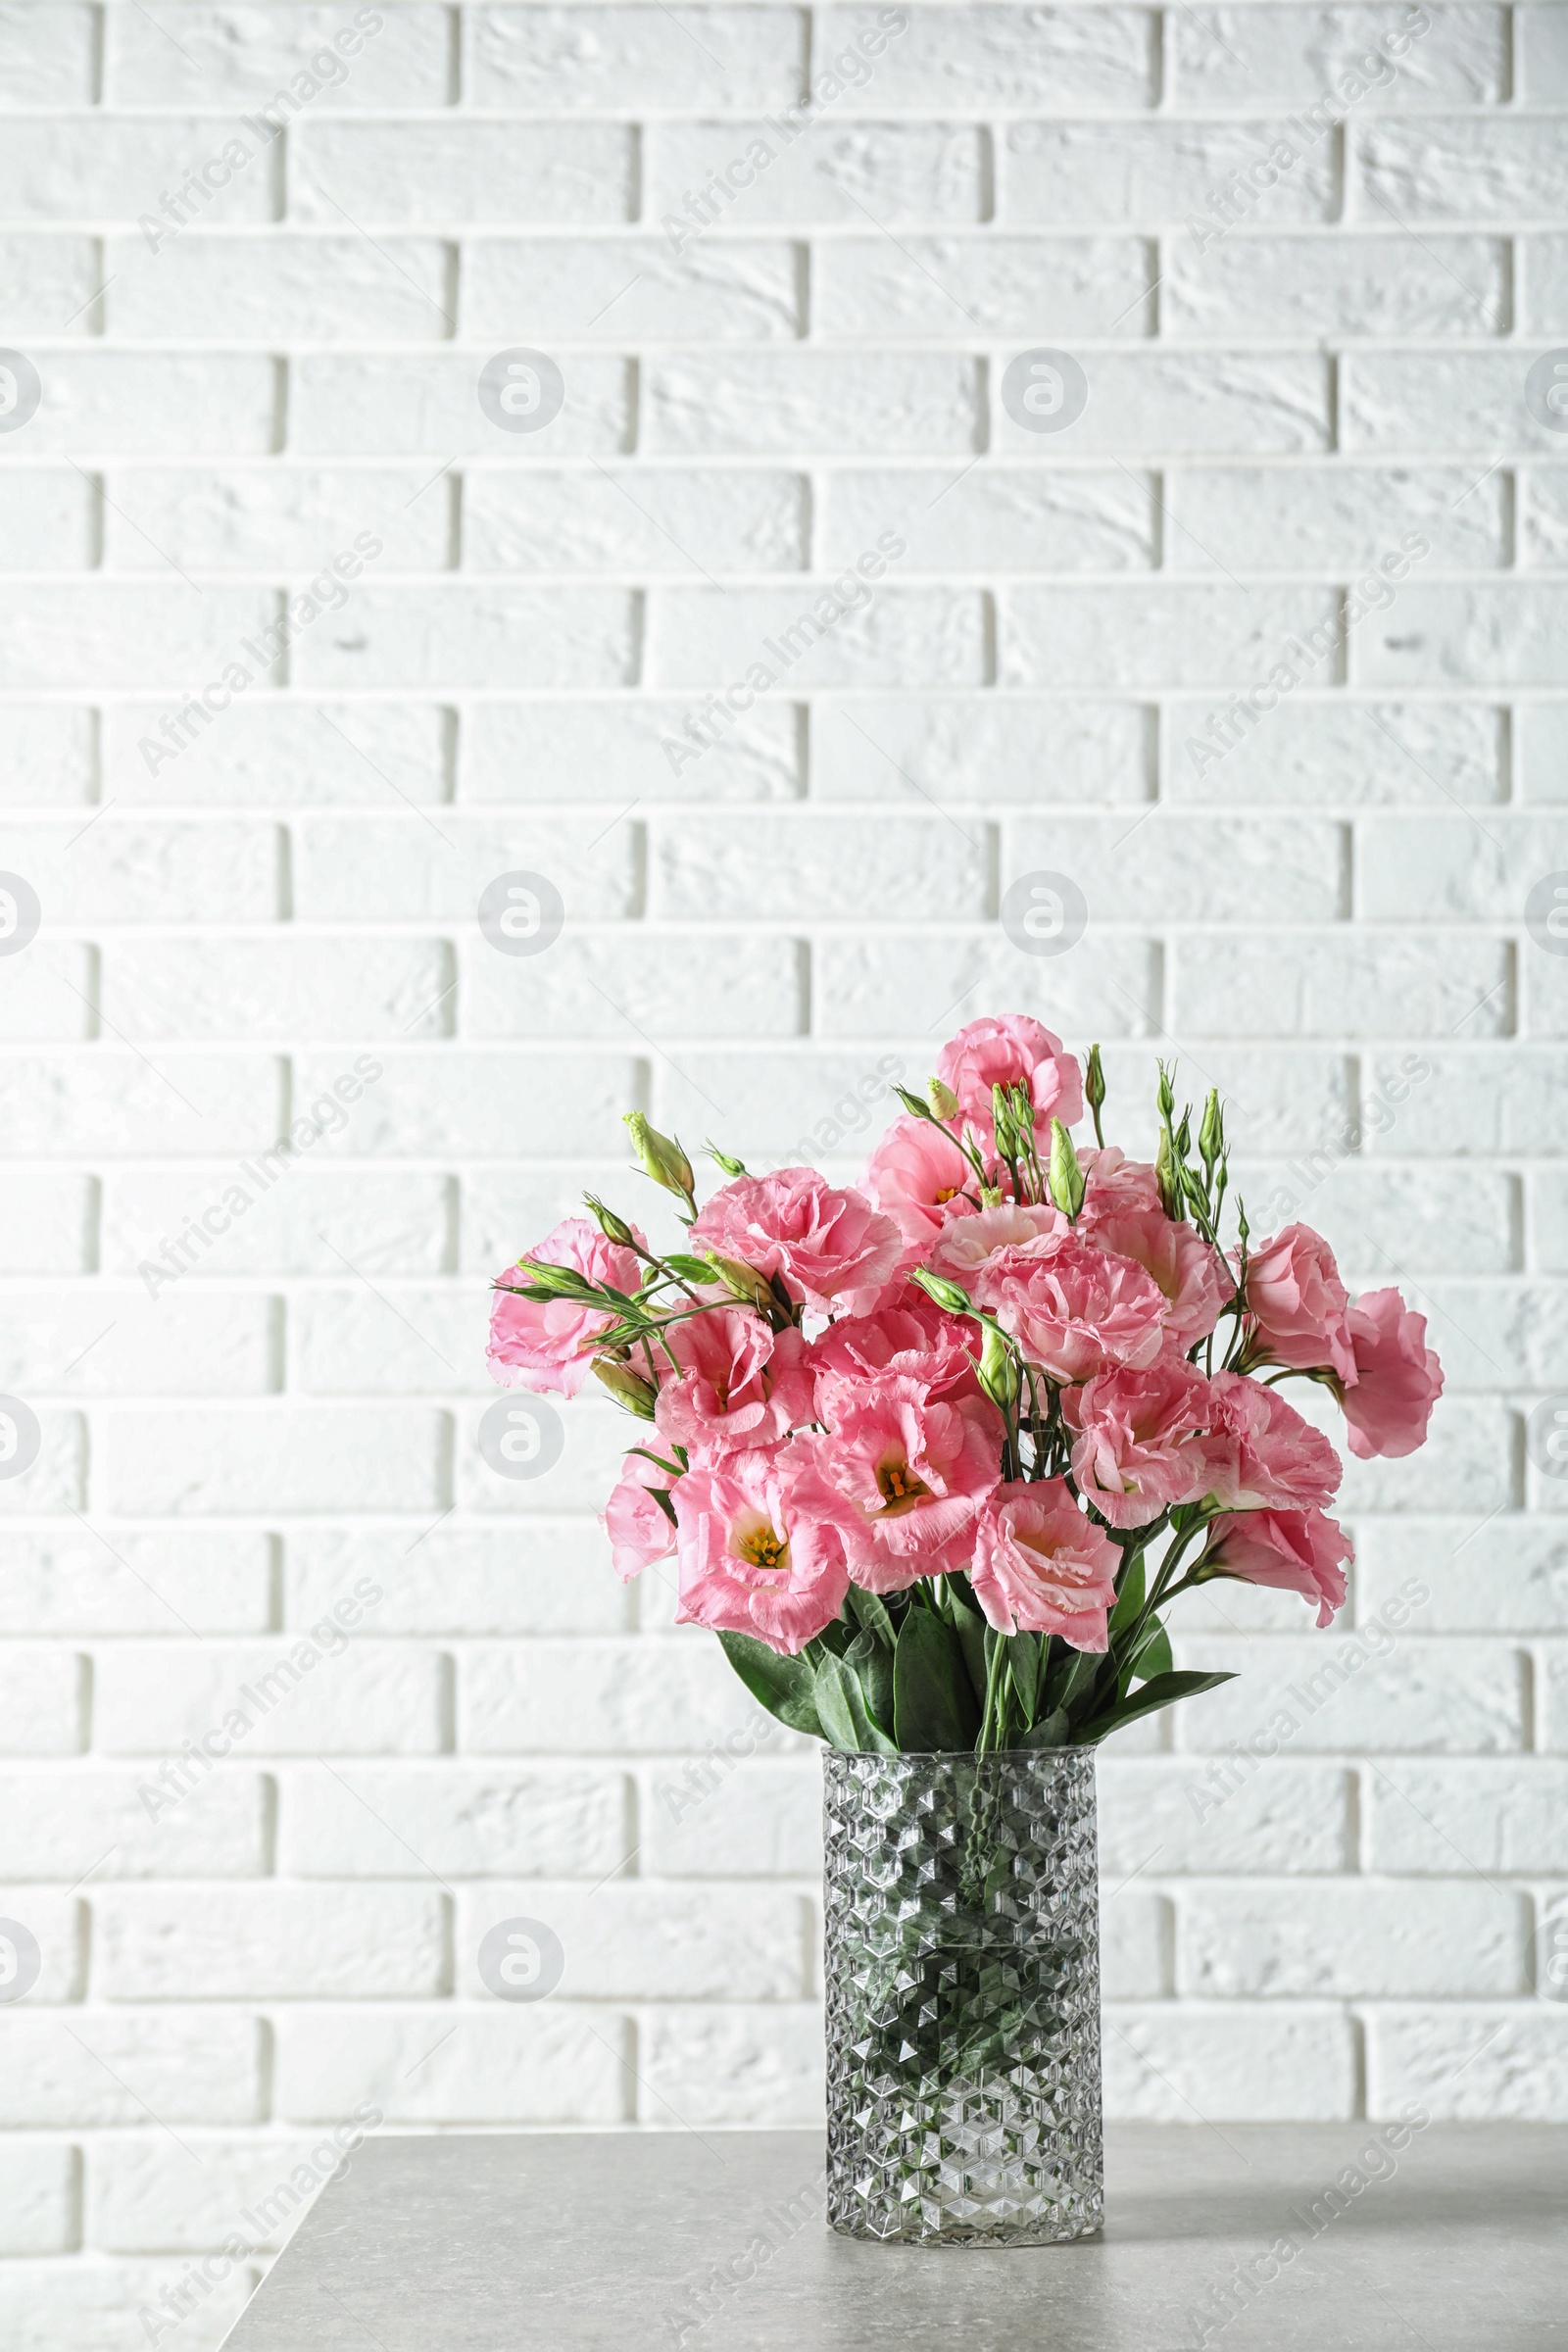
933, 1452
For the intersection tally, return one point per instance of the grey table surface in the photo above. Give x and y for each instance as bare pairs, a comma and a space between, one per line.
621, 2242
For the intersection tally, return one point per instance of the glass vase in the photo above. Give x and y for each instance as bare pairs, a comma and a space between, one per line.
962, 1972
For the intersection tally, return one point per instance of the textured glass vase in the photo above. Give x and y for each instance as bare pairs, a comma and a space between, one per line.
962, 1966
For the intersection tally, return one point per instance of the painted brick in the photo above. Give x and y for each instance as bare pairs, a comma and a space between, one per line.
463, 1823
995, 285
1374, 57
46, 58
399, 1224
46, 755
929, 172
783, 866
366, 1698
980, 747
477, 1581
732, 2064
1432, 1819
1250, 283
1452, 170
313, 750
1398, 984
63, 1823
413, 171
1356, 755
610, 751
48, 522
1194, 403
243, 54
1338, 523
327, 289
1462, 2062
667, 1697
673, 522
428, 404
1167, 1815
1271, 2060
597, 58
473, 637
1417, 1696
1352, 1939
551, 2065
1132, 637
339, 1942
919, 404
868, 636
39, 2197
95, 168
632, 1938
1006, 520
1148, 173
230, 1460
618, 289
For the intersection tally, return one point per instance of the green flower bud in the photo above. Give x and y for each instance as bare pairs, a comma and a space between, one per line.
743, 1282
944, 1102
614, 1228
731, 1168
945, 1293
1094, 1080
913, 1104
1211, 1134
999, 1369
629, 1388
1002, 1119
661, 1158
559, 1281
1169, 1177
1066, 1177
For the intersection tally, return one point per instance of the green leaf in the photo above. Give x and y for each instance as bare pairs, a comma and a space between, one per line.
1023, 1664
934, 1707
1162, 1691
870, 1614
871, 1664
1049, 1732
690, 1269
970, 1628
1130, 1598
842, 1708
1072, 1675
1155, 1656
785, 1686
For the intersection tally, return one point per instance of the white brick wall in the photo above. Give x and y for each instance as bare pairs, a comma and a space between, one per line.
1375, 1911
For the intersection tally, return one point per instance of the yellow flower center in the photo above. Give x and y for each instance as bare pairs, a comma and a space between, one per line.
764, 1549
899, 1487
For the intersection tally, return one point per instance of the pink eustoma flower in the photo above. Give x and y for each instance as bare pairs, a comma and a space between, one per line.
640, 1529
547, 1345
1397, 1377
1139, 1448
1261, 1454
1297, 1551
741, 1383
911, 1475
759, 1552
1074, 1311
1192, 1276
1298, 1304
1117, 1186
962, 1252
918, 1175
1041, 1567
1010, 1050
913, 1342
826, 1245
